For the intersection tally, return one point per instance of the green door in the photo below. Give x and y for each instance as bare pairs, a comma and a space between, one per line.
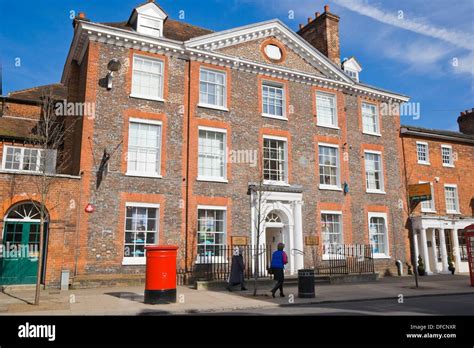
19, 263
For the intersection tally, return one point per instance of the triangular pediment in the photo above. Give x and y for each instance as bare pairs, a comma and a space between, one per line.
251, 43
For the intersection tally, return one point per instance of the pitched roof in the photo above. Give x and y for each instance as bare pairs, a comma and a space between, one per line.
57, 90
17, 128
172, 29
435, 133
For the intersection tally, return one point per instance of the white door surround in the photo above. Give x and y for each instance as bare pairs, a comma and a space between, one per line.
426, 229
287, 206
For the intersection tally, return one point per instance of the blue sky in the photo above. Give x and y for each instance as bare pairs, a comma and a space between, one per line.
423, 49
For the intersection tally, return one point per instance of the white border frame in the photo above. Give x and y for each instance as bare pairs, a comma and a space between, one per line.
450, 165
150, 122
331, 212
38, 159
427, 162
331, 187
139, 261
211, 178
275, 84
140, 96
457, 199
378, 133
386, 254
286, 174
212, 106
334, 95
219, 259
382, 169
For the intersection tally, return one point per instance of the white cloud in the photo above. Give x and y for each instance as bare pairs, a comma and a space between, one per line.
456, 38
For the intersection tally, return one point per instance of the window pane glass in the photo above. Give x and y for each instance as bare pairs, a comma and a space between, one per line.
144, 148
147, 77
141, 229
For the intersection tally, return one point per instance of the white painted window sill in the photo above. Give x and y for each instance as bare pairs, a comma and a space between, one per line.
134, 261
381, 256
219, 180
374, 134
328, 126
214, 107
376, 191
424, 163
448, 165
453, 212
137, 96
283, 118
144, 175
276, 183
330, 188
428, 211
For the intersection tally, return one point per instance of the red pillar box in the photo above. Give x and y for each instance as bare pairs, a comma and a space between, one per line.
469, 235
160, 282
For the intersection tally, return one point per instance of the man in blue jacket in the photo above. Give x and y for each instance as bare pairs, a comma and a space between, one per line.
279, 260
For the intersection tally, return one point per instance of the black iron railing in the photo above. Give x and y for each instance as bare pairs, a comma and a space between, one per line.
345, 259
216, 265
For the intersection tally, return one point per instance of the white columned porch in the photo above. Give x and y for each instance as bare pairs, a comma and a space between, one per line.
298, 235
456, 251
434, 251
424, 250
444, 253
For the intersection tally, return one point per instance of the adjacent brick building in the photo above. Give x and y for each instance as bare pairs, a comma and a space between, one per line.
445, 159
184, 123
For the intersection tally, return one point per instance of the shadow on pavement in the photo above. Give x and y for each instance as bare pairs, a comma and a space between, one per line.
131, 296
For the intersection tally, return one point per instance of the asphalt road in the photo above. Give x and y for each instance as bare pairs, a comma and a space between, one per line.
427, 305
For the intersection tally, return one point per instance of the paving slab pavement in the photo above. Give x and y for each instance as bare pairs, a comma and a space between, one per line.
129, 300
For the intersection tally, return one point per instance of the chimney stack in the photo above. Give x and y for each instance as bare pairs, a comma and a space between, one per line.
323, 33
466, 122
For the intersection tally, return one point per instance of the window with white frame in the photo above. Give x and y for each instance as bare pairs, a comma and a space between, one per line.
451, 196
212, 154
374, 172
447, 156
326, 113
211, 233
144, 147
212, 88
331, 231
147, 78
422, 152
328, 166
149, 26
28, 159
378, 234
141, 230
370, 119
352, 74
428, 206
274, 159
273, 99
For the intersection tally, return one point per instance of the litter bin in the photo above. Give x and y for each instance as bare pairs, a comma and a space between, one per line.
160, 281
306, 283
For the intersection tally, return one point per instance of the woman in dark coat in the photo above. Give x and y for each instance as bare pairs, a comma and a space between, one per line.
237, 271
279, 260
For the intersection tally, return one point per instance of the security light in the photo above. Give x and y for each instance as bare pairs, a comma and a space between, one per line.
113, 66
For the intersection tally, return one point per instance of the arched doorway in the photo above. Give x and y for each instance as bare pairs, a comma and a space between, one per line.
20, 244
277, 231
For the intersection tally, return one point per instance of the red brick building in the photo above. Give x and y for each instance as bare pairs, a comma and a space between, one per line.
182, 122
21, 188
446, 160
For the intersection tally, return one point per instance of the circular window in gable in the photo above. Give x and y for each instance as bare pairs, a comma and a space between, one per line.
273, 52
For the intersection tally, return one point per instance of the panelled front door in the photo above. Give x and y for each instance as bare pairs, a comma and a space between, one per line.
19, 263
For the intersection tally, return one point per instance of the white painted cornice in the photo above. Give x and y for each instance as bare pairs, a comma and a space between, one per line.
197, 50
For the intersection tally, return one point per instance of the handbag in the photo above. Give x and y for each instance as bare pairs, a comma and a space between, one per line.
270, 270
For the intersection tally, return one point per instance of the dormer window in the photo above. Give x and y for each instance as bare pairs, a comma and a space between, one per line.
352, 74
148, 19
149, 26
352, 68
